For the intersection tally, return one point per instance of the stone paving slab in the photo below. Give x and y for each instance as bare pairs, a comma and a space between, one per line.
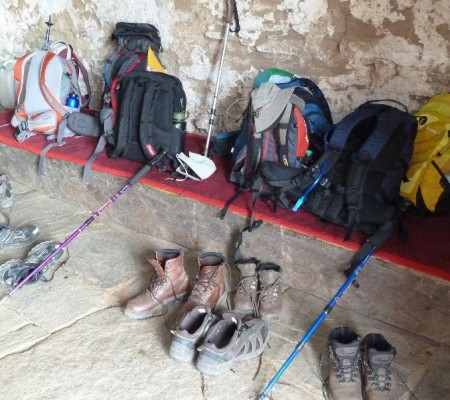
388, 292
69, 339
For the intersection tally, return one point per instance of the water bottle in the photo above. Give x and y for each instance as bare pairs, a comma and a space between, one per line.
179, 120
72, 101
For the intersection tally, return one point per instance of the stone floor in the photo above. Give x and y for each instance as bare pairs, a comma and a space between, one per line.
69, 338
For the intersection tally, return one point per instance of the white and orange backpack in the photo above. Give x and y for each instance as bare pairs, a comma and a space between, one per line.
43, 81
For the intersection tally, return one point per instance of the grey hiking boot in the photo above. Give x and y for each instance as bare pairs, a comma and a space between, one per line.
6, 193
245, 298
270, 300
170, 283
14, 271
229, 341
211, 283
379, 382
189, 332
19, 237
344, 379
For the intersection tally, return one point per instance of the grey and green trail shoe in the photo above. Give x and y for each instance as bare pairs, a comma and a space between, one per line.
18, 237
229, 341
190, 332
14, 271
6, 193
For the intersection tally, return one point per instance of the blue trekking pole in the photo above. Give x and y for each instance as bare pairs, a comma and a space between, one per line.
352, 276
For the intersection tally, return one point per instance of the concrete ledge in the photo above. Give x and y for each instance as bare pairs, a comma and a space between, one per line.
399, 296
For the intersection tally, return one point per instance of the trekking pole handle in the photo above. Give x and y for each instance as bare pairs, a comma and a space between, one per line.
229, 11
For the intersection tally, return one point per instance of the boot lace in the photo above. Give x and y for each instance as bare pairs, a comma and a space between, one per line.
380, 382
268, 293
249, 286
9, 235
347, 371
203, 285
158, 283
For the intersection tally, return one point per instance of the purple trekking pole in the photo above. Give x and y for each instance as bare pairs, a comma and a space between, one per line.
144, 170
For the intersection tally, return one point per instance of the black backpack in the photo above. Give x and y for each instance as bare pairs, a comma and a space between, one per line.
139, 106
356, 182
140, 124
295, 139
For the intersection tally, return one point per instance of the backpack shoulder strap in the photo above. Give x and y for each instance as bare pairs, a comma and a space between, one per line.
113, 61
388, 121
20, 76
50, 98
345, 127
107, 120
130, 103
152, 90
162, 98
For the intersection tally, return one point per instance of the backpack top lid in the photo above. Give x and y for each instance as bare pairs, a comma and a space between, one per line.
275, 75
268, 102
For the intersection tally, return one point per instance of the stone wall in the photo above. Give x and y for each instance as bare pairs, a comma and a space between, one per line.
355, 50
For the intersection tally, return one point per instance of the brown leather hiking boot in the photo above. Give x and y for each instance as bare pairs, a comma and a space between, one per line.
245, 298
270, 301
211, 283
170, 283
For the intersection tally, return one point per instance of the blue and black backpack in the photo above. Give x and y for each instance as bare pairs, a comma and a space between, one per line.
356, 182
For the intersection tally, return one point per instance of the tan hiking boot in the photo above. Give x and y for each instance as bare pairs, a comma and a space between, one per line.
344, 378
170, 283
211, 283
270, 301
379, 381
245, 298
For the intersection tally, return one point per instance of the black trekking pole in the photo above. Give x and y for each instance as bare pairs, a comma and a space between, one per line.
47, 33
146, 168
329, 307
231, 12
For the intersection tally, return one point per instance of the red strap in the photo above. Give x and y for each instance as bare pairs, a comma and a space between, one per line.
302, 134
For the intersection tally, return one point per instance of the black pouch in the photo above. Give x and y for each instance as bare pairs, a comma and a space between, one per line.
137, 37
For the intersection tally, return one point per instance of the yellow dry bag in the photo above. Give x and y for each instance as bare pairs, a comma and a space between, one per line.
427, 183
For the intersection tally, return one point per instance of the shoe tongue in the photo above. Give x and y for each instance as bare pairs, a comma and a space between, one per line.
158, 268
380, 359
345, 351
269, 276
233, 317
247, 270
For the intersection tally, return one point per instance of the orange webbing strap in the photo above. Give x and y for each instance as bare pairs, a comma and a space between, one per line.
302, 134
19, 69
53, 102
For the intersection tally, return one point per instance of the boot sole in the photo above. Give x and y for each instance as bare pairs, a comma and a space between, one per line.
158, 311
214, 366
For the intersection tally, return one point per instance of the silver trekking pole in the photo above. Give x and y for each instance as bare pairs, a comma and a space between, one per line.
231, 12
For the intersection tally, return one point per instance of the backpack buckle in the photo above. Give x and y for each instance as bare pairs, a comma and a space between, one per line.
22, 133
